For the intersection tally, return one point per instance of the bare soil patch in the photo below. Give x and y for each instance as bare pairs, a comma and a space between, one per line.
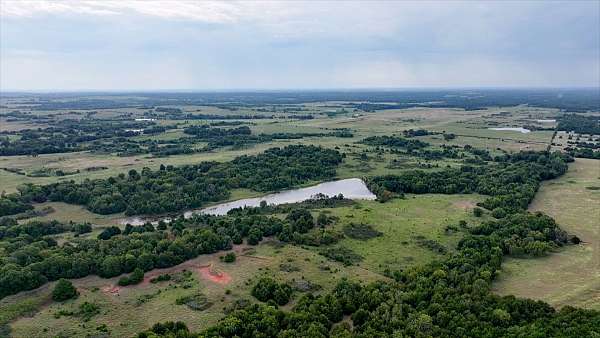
465, 205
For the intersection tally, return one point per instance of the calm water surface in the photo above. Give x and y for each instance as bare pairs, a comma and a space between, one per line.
519, 129
351, 188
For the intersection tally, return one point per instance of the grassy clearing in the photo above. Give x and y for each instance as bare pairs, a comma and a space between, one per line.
21, 305
65, 212
400, 220
572, 275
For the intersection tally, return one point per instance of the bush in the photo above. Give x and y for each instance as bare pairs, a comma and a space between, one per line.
161, 278
499, 213
229, 257
322, 219
82, 228
478, 212
198, 302
109, 232
88, 310
342, 254
64, 290
361, 231
135, 278
267, 289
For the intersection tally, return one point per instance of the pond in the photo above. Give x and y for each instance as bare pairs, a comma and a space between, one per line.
519, 129
351, 188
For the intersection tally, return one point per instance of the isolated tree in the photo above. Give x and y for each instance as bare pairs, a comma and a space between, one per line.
64, 290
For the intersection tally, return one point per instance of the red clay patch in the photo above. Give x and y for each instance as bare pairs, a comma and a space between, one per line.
111, 289
212, 274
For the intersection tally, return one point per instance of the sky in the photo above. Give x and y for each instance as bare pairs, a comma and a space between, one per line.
210, 45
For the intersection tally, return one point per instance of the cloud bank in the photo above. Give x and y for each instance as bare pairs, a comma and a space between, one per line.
153, 45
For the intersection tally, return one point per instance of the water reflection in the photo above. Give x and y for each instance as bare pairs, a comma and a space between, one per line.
351, 188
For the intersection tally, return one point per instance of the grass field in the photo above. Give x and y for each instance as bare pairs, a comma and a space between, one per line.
400, 220
572, 275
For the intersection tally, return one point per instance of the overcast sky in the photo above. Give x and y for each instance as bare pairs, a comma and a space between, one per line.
154, 45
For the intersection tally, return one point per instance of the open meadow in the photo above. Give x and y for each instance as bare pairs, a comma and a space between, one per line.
569, 276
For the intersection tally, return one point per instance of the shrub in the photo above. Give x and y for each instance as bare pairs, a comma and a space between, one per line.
499, 213
109, 232
64, 290
267, 289
342, 254
197, 302
88, 310
361, 231
229, 257
135, 278
161, 278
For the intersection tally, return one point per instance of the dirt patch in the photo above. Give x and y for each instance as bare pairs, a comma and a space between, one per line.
211, 273
465, 205
111, 289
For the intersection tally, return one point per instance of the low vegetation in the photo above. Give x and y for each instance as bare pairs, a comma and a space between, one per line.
64, 290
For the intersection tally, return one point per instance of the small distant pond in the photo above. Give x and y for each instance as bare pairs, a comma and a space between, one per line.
351, 188
519, 129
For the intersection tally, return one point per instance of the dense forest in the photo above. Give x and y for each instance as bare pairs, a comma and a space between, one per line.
580, 124
511, 180
172, 189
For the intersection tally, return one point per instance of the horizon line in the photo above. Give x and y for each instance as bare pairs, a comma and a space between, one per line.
316, 89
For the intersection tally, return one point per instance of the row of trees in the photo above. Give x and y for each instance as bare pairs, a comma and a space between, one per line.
394, 142
173, 189
10, 228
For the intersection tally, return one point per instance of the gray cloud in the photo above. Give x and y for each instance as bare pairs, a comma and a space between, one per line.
211, 45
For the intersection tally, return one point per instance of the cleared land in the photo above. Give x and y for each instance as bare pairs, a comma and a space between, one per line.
572, 275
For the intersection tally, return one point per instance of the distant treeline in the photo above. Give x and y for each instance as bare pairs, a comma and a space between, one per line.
242, 136
172, 189
580, 124
574, 100
72, 135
